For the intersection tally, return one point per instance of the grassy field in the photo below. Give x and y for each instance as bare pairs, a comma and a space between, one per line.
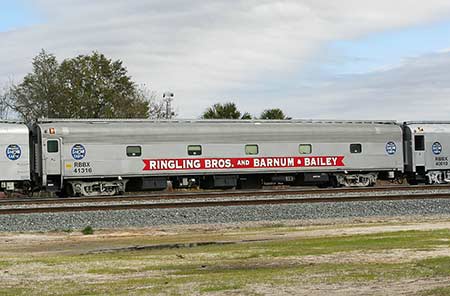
364, 259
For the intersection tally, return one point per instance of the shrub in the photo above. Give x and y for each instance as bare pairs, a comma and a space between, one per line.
87, 230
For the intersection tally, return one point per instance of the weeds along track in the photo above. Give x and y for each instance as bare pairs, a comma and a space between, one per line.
222, 199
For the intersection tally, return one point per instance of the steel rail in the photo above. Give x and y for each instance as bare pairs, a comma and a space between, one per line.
220, 203
214, 194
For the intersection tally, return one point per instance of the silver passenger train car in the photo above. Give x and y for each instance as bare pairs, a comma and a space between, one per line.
106, 157
427, 151
15, 159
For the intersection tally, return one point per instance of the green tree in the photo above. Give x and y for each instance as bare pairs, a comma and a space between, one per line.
246, 116
40, 90
87, 86
224, 111
273, 114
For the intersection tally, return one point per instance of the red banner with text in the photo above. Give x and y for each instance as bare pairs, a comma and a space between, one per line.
241, 163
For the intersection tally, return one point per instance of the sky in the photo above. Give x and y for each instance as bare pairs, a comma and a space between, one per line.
319, 59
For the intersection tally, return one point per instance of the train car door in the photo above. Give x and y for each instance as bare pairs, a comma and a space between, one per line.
419, 151
52, 157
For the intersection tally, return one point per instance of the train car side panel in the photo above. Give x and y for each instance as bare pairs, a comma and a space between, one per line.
429, 151
111, 153
15, 156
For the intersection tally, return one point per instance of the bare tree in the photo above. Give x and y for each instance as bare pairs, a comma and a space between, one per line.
5, 103
156, 107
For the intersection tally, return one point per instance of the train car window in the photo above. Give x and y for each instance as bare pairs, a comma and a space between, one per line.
134, 151
355, 148
251, 149
419, 143
194, 150
52, 146
305, 148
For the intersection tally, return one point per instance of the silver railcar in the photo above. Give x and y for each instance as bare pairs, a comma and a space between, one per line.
427, 151
15, 157
91, 157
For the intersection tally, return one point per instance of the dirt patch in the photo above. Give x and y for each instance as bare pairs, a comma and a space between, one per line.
388, 256
406, 287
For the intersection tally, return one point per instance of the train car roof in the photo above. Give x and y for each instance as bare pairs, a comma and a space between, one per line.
426, 122
216, 131
13, 128
199, 121
429, 126
210, 126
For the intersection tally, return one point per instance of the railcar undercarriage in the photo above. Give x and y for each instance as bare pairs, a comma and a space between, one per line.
438, 177
96, 188
357, 180
9, 188
249, 181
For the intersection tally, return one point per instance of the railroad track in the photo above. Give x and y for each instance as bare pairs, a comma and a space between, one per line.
221, 203
214, 194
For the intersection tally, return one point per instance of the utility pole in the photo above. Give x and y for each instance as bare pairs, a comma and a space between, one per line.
168, 98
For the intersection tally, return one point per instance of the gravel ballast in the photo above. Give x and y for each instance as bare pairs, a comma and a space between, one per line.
64, 202
154, 217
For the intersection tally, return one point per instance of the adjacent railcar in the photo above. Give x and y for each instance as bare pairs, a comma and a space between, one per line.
427, 152
92, 157
15, 157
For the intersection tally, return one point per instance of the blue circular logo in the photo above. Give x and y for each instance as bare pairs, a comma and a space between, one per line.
78, 151
13, 152
437, 148
391, 148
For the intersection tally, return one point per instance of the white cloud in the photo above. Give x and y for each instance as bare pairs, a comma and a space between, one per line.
204, 51
417, 89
